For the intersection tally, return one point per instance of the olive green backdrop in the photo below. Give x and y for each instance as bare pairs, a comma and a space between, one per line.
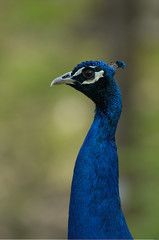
42, 128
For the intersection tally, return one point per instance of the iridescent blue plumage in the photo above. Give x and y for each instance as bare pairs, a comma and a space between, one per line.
95, 210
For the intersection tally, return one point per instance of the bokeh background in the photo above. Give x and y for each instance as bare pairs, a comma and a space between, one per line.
42, 128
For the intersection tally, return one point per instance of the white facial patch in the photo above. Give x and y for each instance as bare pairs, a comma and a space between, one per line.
98, 75
78, 72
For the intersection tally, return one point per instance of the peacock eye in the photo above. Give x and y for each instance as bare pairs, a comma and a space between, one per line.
88, 73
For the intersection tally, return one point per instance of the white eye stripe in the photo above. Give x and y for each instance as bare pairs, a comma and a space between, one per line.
93, 66
80, 71
98, 75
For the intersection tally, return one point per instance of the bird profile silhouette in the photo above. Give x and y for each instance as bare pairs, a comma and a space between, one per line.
95, 208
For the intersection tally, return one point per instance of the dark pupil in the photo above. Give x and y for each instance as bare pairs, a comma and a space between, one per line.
88, 73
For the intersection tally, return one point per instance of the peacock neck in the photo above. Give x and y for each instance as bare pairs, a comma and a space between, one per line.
95, 201
95, 210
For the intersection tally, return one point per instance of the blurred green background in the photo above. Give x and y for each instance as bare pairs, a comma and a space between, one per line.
42, 128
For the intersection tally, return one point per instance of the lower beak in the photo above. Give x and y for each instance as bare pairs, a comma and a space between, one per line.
66, 78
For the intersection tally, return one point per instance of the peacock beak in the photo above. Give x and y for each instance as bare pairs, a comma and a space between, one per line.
66, 78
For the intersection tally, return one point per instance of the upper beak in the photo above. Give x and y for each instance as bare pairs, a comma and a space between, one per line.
66, 78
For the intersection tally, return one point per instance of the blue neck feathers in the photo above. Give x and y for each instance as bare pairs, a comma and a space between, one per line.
95, 210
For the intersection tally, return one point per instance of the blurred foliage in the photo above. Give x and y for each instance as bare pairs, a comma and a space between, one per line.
42, 128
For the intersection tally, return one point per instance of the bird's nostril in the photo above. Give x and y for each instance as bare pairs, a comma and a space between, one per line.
66, 76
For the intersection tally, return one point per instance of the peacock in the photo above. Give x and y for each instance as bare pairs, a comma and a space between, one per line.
95, 207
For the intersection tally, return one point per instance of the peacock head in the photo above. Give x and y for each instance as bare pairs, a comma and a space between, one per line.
92, 78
